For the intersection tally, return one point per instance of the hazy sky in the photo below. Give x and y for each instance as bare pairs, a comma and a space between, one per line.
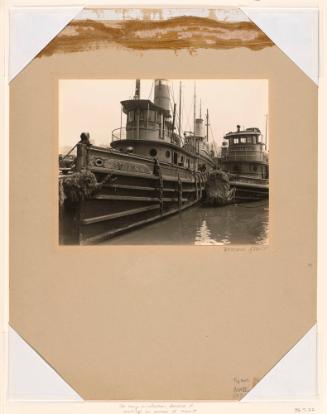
94, 106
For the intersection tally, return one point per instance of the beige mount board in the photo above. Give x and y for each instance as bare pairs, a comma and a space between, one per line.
167, 323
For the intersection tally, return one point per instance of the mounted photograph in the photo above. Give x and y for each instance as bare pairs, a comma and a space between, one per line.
162, 166
163, 161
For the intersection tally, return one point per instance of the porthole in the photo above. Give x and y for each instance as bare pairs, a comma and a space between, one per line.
167, 154
153, 152
99, 162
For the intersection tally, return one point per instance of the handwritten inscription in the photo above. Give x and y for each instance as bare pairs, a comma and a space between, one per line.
158, 408
241, 386
250, 249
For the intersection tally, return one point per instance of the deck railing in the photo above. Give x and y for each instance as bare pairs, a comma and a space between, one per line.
248, 179
118, 134
244, 156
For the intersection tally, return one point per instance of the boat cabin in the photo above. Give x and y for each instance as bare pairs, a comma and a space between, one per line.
244, 153
151, 130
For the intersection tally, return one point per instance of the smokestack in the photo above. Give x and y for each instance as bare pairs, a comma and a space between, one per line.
161, 94
199, 128
238, 128
137, 89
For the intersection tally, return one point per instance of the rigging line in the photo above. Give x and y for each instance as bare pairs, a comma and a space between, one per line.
131, 96
177, 112
172, 91
178, 117
216, 146
172, 98
212, 136
70, 151
171, 101
189, 126
182, 114
151, 90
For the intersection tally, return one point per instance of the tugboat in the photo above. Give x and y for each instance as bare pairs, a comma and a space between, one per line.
149, 172
244, 174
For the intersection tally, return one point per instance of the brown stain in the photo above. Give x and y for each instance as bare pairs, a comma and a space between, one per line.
185, 32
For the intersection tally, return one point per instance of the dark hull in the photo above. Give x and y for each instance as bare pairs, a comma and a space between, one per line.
223, 189
136, 191
246, 191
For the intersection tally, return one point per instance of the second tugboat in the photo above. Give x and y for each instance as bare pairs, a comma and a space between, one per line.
244, 174
150, 171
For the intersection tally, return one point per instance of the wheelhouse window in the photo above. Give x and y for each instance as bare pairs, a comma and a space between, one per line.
249, 140
243, 140
151, 116
131, 116
236, 140
161, 126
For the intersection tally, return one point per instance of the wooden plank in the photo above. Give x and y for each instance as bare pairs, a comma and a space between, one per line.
135, 174
180, 194
174, 199
157, 168
239, 198
248, 190
124, 173
249, 185
189, 190
184, 190
170, 190
124, 198
132, 198
137, 187
109, 234
124, 213
130, 187
175, 179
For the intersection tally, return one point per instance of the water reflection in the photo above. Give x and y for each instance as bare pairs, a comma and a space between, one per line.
234, 224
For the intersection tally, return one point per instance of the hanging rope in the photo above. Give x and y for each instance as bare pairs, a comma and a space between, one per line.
71, 150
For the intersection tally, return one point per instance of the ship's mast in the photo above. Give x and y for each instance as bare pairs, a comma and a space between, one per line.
121, 121
266, 132
194, 107
137, 89
180, 110
174, 120
207, 124
137, 96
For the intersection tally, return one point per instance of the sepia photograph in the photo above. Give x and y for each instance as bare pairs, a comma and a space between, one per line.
163, 162
162, 206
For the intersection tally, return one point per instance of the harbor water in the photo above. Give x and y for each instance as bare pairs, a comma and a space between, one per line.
239, 224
